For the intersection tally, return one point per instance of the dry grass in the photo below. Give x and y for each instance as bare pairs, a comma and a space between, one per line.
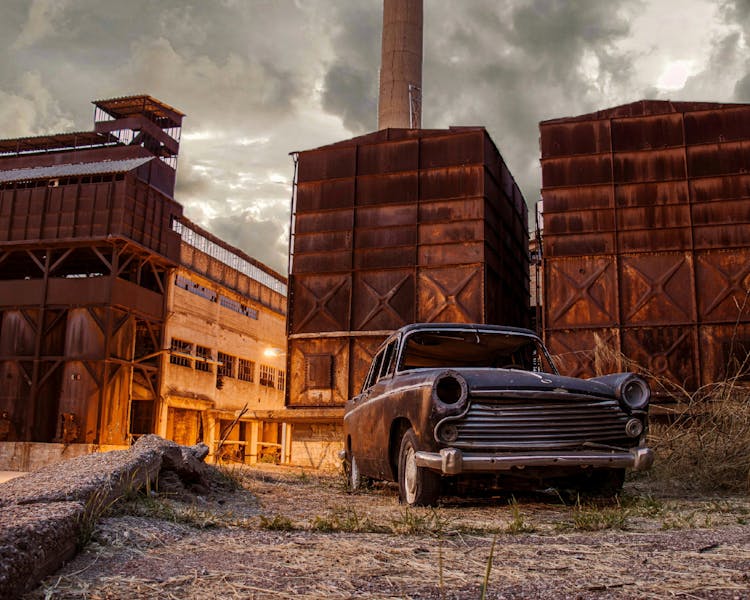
703, 441
290, 535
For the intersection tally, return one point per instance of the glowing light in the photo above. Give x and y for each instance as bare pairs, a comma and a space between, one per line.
675, 74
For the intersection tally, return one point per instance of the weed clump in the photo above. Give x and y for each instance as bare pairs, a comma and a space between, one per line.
703, 444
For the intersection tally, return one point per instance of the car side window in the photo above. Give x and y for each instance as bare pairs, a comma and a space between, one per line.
389, 360
372, 376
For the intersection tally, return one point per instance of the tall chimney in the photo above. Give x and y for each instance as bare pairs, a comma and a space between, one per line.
400, 102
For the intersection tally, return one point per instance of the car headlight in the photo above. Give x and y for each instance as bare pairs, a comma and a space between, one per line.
449, 393
634, 393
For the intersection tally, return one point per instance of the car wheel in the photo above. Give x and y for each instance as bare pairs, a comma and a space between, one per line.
417, 486
603, 483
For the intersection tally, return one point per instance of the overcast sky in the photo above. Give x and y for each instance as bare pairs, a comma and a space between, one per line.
261, 78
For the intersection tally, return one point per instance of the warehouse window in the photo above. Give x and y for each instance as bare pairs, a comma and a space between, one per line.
191, 286
267, 376
245, 370
181, 353
226, 365
237, 307
201, 352
281, 380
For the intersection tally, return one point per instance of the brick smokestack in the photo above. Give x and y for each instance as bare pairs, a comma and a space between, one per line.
400, 102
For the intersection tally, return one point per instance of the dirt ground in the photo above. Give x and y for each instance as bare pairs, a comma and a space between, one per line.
287, 533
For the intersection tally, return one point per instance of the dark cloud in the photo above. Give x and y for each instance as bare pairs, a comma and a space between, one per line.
351, 83
510, 65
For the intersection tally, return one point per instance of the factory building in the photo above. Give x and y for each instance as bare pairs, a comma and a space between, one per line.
119, 317
647, 239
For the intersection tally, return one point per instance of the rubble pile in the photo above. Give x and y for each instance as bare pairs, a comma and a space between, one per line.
45, 515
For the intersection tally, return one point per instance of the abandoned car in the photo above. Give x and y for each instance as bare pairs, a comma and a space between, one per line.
450, 404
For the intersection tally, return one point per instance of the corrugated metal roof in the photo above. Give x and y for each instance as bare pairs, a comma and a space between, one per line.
72, 170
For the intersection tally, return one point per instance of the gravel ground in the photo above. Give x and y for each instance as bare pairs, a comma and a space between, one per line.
288, 533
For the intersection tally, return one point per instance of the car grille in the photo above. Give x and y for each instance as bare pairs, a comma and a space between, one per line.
508, 420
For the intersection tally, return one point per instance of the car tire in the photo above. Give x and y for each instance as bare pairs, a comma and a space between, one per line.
417, 486
603, 483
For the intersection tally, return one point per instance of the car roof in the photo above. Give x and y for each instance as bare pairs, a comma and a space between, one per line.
455, 327
465, 326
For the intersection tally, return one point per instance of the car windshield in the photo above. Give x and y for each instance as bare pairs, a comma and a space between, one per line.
441, 349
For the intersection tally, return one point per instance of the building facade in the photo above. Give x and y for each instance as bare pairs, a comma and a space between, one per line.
117, 316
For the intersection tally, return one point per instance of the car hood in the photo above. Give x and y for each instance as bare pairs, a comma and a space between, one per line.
516, 379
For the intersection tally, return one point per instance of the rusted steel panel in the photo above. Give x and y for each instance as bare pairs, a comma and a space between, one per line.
722, 282
459, 182
445, 254
21, 293
452, 150
322, 242
581, 292
664, 239
669, 353
387, 216
321, 303
137, 299
379, 159
585, 352
594, 197
652, 217
329, 163
383, 299
18, 333
667, 164
646, 194
321, 195
583, 221
657, 289
306, 359
647, 133
321, 222
389, 188
731, 344
385, 258
715, 126
452, 294
323, 262
591, 244
450, 210
729, 187
382, 237
362, 349
577, 170
730, 158
566, 139
453, 235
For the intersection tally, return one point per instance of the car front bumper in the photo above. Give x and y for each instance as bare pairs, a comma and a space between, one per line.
452, 461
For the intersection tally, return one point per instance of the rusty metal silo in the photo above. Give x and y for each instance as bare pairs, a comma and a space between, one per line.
647, 237
393, 227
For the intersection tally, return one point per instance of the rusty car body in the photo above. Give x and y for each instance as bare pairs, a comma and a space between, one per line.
459, 402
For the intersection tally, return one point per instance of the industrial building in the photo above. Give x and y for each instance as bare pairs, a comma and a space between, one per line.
647, 238
118, 316
397, 226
